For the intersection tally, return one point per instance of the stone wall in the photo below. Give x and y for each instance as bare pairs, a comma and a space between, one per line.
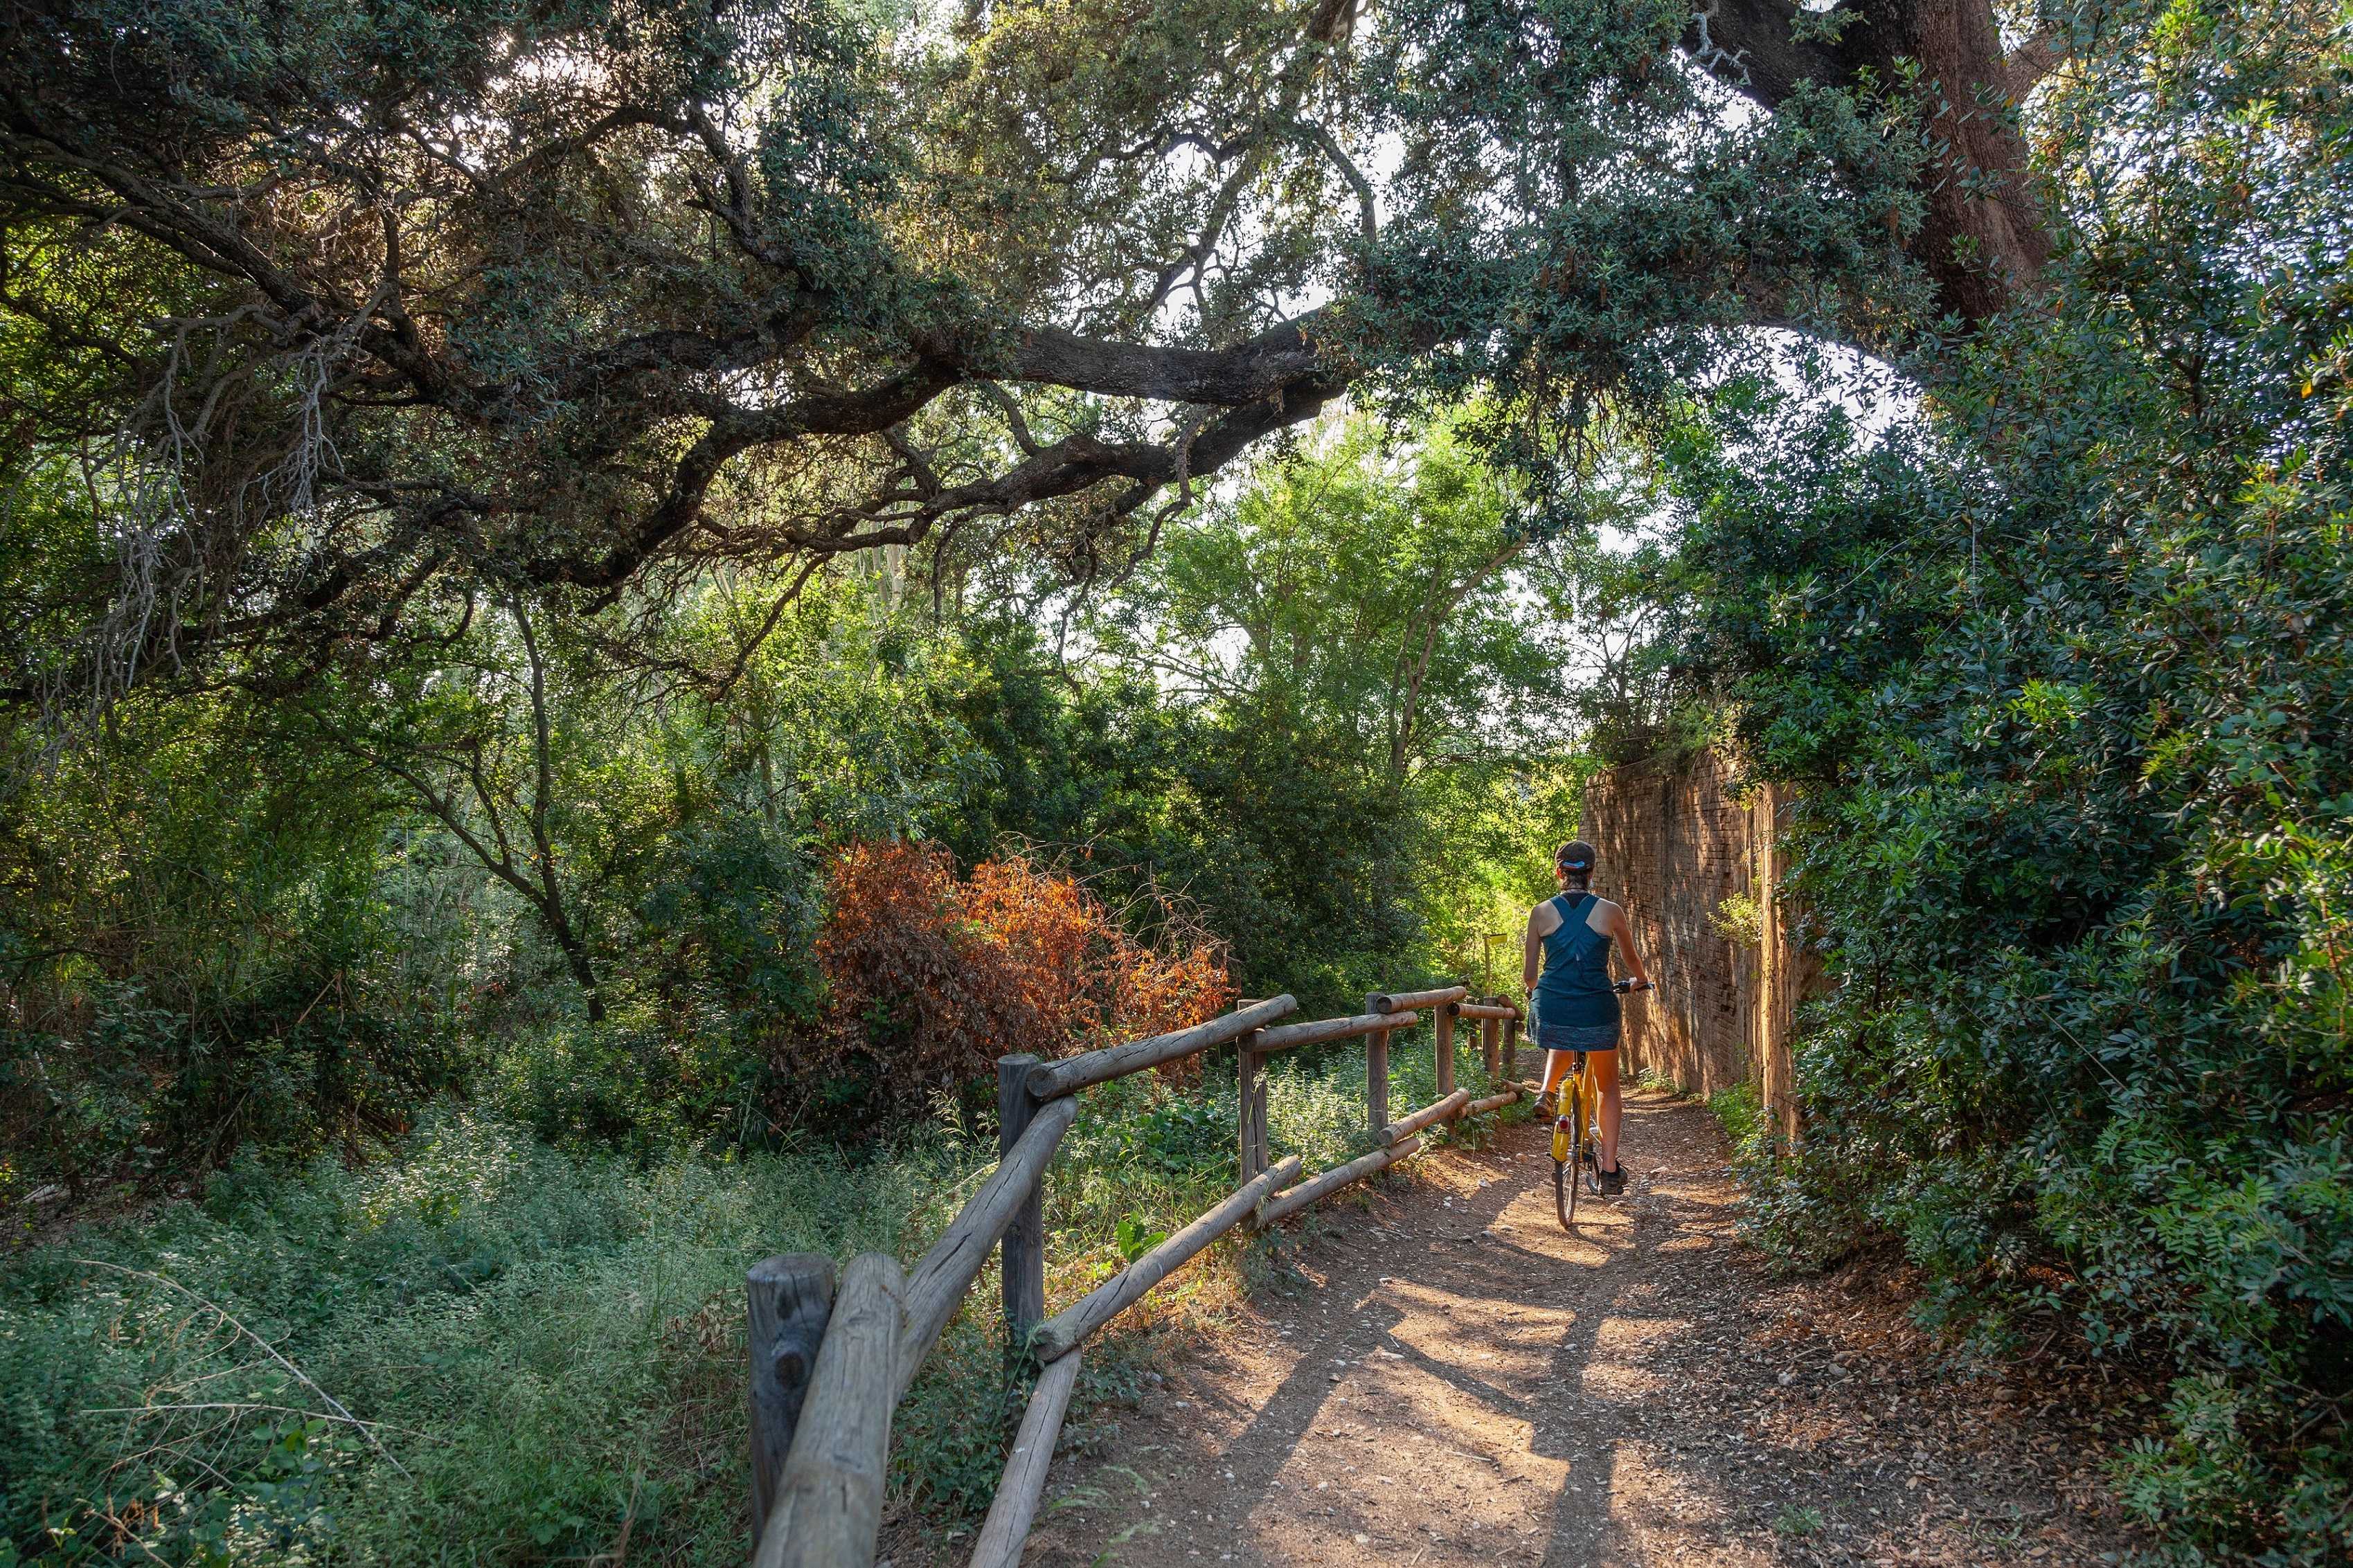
1683, 853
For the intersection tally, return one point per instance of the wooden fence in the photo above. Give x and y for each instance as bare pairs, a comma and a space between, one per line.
830, 1360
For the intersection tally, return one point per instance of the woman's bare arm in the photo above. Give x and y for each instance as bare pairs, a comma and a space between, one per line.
1531, 953
1622, 929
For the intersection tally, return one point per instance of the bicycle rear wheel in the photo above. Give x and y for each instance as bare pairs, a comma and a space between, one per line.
1576, 1162
1562, 1153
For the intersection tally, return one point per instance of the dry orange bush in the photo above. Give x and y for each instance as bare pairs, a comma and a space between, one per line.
932, 978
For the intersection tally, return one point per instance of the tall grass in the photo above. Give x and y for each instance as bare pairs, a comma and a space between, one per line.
483, 1348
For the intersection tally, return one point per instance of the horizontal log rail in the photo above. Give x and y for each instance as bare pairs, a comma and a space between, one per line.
1288, 1036
1441, 1110
937, 1286
1050, 1081
1404, 1001
1329, 1182
1015, 1506
819, 1503
1061, 1334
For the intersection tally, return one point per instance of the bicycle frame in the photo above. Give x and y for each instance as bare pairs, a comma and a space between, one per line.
1576, 1135
1577, 1127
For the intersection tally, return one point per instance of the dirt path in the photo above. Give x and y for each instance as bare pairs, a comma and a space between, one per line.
1445, 1376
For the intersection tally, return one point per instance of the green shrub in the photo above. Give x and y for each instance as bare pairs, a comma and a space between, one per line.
628, 1086
1741, 1111
1798, 1523
2064, 669
522, 1329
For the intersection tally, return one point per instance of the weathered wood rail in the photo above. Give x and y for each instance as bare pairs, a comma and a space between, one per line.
830, 1363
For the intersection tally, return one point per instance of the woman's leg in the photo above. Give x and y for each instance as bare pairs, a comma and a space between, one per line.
1613, 1110
1556, 1068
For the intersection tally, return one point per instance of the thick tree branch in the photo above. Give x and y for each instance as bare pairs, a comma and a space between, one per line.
521, 336
1986, 236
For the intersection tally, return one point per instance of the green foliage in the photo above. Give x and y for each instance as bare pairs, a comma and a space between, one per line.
525, 1335
420, 679
1177, 1135
263, 921
1797, 1522
1345, 595
1379, 711
970, 261
1739, 919
196, 949
1614, 297
1135, 1241
1741, 1111
540, 1348
627, 1086
2063, 667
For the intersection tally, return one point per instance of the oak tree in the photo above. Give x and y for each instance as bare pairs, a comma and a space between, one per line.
358, 315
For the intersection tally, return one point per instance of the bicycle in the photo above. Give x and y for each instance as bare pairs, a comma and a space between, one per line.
1576, 1130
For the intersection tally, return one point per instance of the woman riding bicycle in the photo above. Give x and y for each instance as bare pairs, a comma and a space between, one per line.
1574, 1003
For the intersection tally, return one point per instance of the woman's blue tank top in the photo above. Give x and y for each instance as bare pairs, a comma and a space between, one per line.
1574, 990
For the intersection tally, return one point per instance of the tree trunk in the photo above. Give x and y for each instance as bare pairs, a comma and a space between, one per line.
542, 752
1985, 245
575, 958
1985, 237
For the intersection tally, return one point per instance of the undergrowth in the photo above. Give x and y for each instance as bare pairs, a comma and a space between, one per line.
1741, 1112
485, 1348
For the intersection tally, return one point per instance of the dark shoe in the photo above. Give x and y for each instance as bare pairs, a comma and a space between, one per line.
1613, 1182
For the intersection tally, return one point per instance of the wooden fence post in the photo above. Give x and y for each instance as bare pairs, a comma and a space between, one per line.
1377, 1074
1250, 1102
786, 1300
1491, 1037
1442, 1025
1511, 1049
1258, 1122
1022, 1260
829, 1505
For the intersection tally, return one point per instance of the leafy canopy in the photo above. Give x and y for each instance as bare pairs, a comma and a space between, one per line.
355, 313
